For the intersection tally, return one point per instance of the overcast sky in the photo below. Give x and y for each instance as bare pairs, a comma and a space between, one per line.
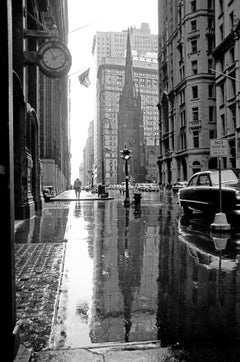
90, 16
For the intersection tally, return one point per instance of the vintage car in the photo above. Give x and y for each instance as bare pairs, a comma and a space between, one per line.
179, 185
202, 192
48, 192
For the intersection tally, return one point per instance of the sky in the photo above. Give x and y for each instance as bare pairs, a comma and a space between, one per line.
85, 19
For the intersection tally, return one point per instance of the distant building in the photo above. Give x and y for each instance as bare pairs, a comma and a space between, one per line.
109, 50
88, 157
187, 111
227, 58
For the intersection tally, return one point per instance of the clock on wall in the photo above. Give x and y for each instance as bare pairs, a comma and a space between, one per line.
54, 59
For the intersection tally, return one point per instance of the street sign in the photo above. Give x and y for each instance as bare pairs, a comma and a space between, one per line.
219, 148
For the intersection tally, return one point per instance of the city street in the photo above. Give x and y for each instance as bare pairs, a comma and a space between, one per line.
110, 275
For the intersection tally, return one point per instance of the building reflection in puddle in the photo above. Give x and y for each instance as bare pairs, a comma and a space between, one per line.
125, 276
198, 286
48, 228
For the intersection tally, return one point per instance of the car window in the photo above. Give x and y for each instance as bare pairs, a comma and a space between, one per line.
203, 180
193, 181
227, 177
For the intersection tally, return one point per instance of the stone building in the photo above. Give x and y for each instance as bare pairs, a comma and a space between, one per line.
34, 126
41, 139
186, 88
227, 59
130, 125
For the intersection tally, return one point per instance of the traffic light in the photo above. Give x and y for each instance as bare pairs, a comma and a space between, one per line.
125, 153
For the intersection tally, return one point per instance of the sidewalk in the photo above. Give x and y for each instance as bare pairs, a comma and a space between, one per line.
122, 352
84, 196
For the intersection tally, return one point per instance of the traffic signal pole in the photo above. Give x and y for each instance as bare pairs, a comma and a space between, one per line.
125, 154
127, 199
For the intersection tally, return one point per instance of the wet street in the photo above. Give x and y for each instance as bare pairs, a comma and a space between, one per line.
130, 277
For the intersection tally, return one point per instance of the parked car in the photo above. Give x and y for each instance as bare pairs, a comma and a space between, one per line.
202, 192
179, 185
48, 192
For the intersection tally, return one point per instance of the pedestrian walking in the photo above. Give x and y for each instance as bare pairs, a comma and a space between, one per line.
77, 187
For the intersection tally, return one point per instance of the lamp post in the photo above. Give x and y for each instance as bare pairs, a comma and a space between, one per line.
125, 154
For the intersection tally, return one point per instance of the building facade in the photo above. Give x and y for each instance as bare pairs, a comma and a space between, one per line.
109, 50
227, 59
24, 27
187, 114
41, 130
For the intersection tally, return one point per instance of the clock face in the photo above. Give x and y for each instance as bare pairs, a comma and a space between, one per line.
54, 59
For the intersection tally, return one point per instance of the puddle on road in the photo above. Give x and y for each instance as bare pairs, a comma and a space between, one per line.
135, 277
132, 277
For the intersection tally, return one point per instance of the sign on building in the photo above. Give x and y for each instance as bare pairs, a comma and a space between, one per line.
219, 148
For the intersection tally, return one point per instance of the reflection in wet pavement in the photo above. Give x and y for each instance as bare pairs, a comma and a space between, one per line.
154, 276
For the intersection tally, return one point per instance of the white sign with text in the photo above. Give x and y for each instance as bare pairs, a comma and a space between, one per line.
219, 148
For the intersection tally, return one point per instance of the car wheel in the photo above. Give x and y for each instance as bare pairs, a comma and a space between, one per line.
186, 210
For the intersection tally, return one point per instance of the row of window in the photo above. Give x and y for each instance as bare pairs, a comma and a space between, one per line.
195, 139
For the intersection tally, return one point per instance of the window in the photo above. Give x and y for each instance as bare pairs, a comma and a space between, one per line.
195, 139
210, 66
193, 181
222, 94
210, 45
194, 66
194, 46
195, 114
221, 32
182, 97
183, 142
210, 4
203, 180
233, 114
231, 21
223, 124
210, 91
182, 119
232, 55
233, 84
195, 91
211, 114
211, 134
194, 25
193, 5
220, 7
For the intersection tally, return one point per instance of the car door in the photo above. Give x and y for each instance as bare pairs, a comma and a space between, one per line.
204, 197
187, 194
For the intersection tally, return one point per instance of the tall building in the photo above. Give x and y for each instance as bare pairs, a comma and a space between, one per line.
227, 58
187, 112
109, 50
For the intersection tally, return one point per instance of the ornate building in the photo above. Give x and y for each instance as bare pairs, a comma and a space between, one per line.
41, 139
130, 124
34, 124
186, 88
227, 58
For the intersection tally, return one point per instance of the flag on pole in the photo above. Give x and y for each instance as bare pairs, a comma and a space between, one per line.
84, 78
